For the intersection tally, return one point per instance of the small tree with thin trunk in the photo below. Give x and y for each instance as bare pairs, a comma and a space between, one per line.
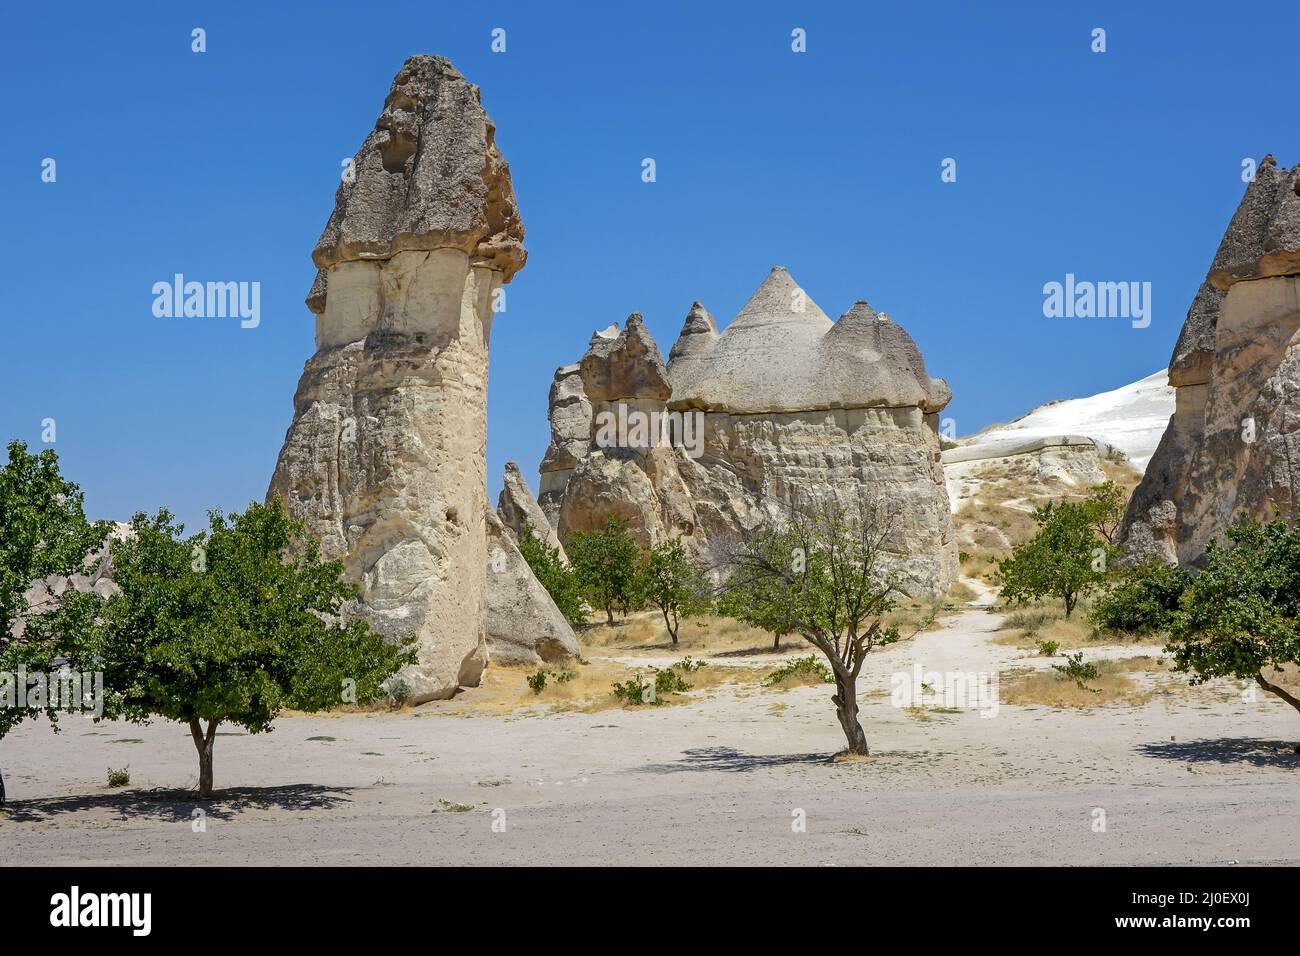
675, 584
605, 562
44, 535
821, 576
1240, 616
232, 626
1071, 552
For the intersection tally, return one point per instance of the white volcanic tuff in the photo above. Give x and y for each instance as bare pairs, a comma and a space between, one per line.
1130, 418
384, 459
792, 403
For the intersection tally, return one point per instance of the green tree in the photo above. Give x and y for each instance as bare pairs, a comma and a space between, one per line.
1240, 616
1143, 598
747, 599
233, 625
821, 576
605, 563
43, 534
674, 583
559, 580
1069, 555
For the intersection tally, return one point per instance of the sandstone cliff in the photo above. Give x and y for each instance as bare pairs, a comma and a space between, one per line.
1233, 443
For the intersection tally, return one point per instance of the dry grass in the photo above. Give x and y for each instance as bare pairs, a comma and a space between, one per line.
1114, 684
1044, 621
589, 689
714, 636
709, 634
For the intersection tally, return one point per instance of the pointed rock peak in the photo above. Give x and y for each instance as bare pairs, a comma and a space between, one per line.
698, 334
512, 470
779, 300
861, 312
699, 322
628, 365
610, 331
1263, 237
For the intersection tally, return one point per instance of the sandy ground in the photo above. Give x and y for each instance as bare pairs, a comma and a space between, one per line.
1191, 777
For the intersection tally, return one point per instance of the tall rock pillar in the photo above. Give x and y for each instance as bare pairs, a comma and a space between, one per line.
385, 458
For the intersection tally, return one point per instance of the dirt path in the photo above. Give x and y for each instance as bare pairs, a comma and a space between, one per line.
1186, 778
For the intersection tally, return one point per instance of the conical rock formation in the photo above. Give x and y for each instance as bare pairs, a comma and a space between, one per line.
781, 402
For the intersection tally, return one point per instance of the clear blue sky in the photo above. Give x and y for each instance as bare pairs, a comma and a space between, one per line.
1117, 166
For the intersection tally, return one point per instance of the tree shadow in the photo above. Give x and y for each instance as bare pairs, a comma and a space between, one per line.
731, 760
1227, 750
171, 806
756, 650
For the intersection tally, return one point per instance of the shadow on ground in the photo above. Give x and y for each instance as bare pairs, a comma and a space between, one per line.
755, 651
1227, 751
178, 805
730, 760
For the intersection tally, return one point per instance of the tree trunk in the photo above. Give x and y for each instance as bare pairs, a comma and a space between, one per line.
609, 614
2, 789
672, 631
846, 709
204, 742
1069, 606
1259, 679
776, 642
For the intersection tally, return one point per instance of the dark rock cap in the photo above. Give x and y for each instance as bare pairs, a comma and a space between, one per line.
429, 176
1263, 237
628, 365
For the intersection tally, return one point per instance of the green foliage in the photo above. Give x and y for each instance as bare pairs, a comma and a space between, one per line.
1241, 613
605, 564
820, 575
1143, 599
119, 778
633, 690
800, 667
43, 533
637, 690
1048, 648
232, 626
537, 681
1069, 555
687, 666
399, 692
669, 681
1076, 670
675, 584
559, 580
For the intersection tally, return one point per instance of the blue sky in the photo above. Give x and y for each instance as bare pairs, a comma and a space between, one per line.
1124, 165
